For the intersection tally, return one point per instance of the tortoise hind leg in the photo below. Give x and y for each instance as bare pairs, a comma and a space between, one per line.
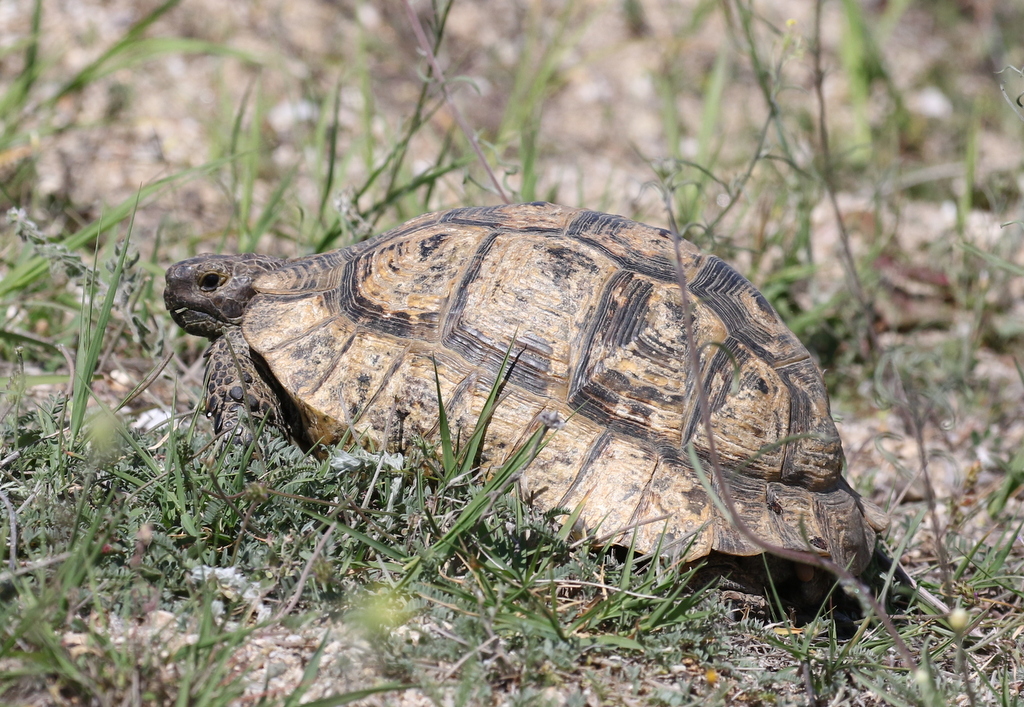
233, 385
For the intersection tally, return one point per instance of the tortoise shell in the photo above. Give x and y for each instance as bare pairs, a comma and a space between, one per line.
589, 305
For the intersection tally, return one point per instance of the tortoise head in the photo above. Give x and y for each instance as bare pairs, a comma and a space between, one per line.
208, 294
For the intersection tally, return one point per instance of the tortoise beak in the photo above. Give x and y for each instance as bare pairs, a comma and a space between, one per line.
208, 293
200, 310
198, 323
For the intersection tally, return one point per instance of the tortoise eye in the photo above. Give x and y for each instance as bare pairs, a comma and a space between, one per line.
210, 282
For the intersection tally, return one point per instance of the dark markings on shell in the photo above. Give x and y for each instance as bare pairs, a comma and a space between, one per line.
367, 402
452, 336
590, 225
619, 316
625, 317
599, 336
531, 370
567, 264
596, 222
485, 216
540, 229
307, 275
430, 244
812, 453
397, 234
728, 361
600, 402
724, 362
288, 301
390, 321
720, 288
327, 370
532, 365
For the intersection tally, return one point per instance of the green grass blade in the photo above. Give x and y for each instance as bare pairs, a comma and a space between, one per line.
270, 212
332, 155
85, 365
97, 67
17, 94
447, 450
34, 268
472, 450
993, 260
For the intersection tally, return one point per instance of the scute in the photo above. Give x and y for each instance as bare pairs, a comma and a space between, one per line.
590, 305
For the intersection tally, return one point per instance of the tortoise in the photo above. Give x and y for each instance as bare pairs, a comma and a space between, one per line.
589, 304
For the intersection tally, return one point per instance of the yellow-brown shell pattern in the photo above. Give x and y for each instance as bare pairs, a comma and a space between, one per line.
590, 305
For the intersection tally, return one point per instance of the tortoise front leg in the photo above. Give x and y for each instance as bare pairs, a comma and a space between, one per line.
234, 384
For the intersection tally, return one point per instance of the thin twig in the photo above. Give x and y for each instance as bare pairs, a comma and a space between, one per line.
10, 459
421, 37
812, 697
147, 381
602, 539
69, 358
596, 585
739, 185
915, 422
452, 670
33, 566
724, 490
1014, 103
397, 156
297, 594
828, 177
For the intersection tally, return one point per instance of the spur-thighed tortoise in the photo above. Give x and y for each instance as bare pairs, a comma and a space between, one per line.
591, 307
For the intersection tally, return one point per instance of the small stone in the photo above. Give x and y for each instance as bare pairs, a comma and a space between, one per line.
275, 668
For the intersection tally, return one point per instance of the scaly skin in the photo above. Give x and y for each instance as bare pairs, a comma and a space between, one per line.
207, 296
233, 376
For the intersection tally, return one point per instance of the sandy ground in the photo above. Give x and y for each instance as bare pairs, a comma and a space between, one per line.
602, 125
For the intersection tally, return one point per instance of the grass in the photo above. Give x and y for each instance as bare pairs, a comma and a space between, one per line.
150, 566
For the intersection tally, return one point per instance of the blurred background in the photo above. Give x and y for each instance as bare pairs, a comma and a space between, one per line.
858, 160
